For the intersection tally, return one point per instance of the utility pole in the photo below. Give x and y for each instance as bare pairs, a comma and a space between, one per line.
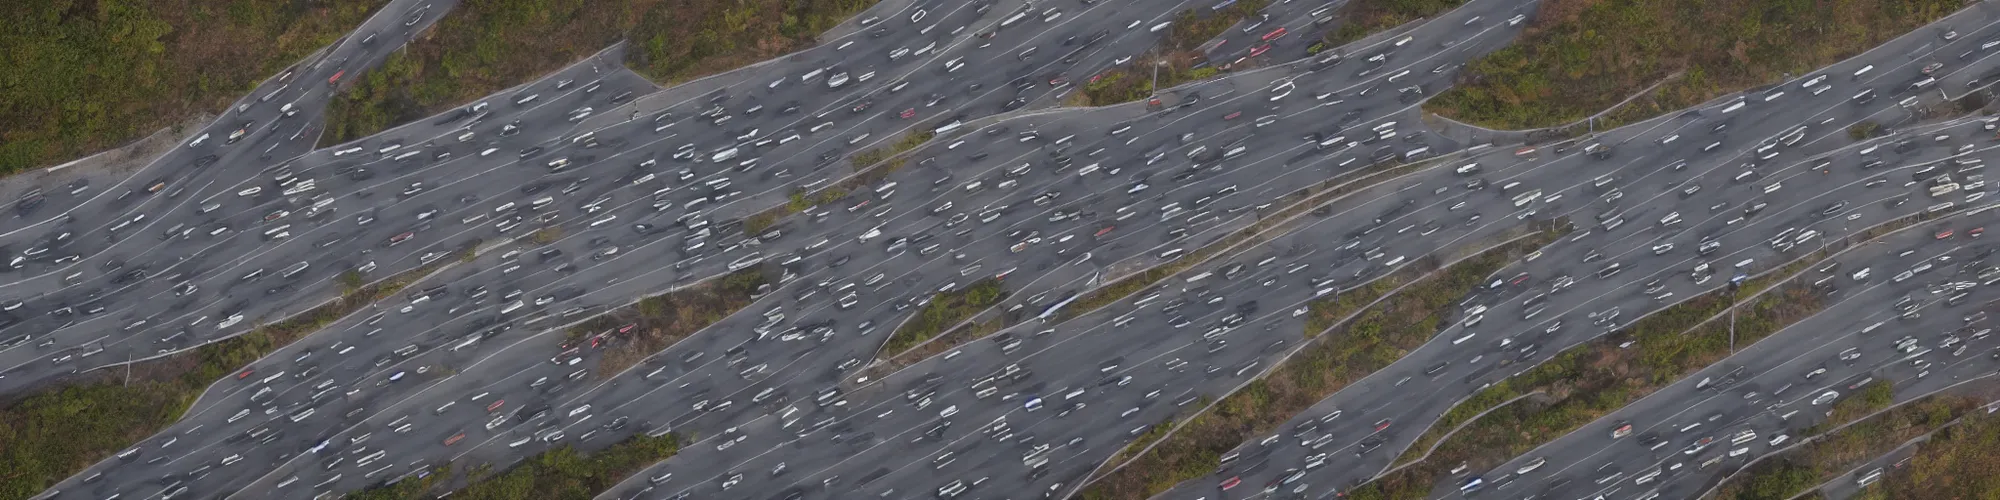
128, 369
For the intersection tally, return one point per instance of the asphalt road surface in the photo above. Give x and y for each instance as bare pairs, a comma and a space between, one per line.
460, 367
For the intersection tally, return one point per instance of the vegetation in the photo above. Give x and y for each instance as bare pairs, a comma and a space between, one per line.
957, 337
1360, 18
480, 47
1580, 385
661, 320
488, 45
1595, 378
1864, 130
678, 40
52, 434
1829, 455
1956, 463
1370, 341
1178, 58
1871, 398
946, 310
1580, 57
561, 473
546, 235
88, 76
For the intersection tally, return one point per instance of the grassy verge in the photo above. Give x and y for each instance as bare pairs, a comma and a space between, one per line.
82, 77
1579, 57
661, 320
1177, 57
1586, 382
1957, 462
1870, 399
946, 310
476, 49
561, 473
53, 433
1295, 203
489, 45
958, 336
1360, 18
1806, 467
1372, 340
678, 40
871, 167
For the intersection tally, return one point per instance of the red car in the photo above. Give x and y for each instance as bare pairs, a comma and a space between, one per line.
1944, 234
1384, 424
1231, 482
336, 77
1232, 115
1105, 231
627, 328
907, 113
496, 405
1975, 232
454, 439
1260, 50
1276, 34
245, 374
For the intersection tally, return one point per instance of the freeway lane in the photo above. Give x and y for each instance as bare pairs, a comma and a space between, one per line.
62, 246
357, 329
1774, 388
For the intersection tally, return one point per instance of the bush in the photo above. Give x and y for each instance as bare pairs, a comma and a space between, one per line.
1827, 457
679, 40
1360, 18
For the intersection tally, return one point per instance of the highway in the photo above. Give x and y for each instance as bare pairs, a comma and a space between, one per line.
84, 262
1052, 200
579, 286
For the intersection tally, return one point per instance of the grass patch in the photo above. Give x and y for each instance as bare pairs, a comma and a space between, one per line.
1957, 462
478, 48
88, 76
661, 320
1360, 18
55, 432
1375, 338
1870, 399
1864, 130
679, 40
957, 337
946, 310
561, 473
1806, 467
871, 167
1580, 57
488, 45
1178, 57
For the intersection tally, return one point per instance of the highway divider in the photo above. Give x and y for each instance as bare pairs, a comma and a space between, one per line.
1591, 379
560, 473
70, 425
1369, 340
631, 334
1956, 461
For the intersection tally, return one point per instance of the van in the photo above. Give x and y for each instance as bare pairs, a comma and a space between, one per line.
1468, 169
1418, 152
724, 155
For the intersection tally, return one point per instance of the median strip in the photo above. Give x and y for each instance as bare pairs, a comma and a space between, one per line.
632, 334
560, 473
1828, 455
1368, 341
